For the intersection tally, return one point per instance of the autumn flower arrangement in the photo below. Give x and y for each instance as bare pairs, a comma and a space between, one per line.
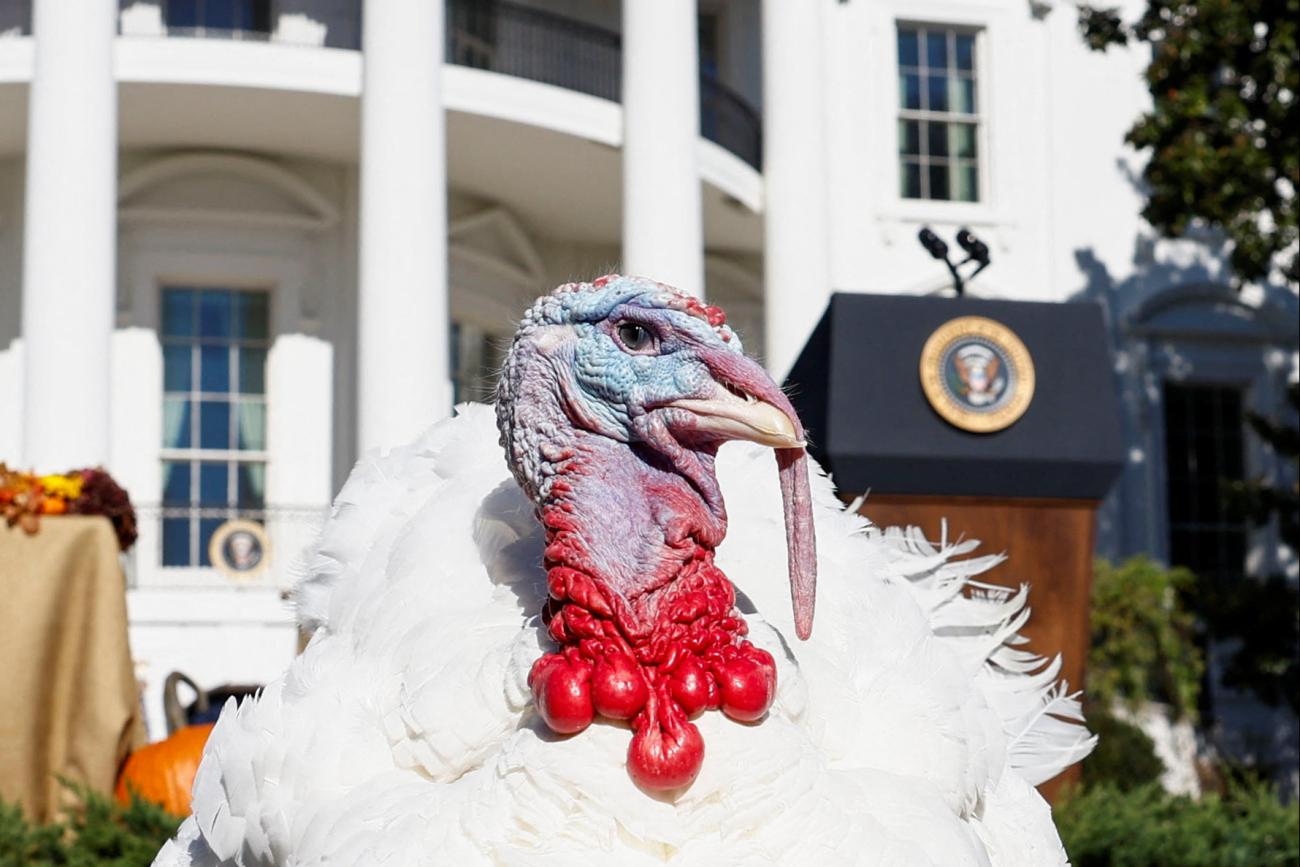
25, 497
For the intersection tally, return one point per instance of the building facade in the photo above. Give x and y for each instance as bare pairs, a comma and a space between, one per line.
243, 241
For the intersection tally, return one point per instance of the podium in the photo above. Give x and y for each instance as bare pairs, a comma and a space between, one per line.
999, 416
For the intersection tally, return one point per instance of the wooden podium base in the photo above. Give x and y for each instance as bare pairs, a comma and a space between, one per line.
1049, 544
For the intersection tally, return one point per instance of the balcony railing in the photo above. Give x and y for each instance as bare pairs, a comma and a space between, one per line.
542, 46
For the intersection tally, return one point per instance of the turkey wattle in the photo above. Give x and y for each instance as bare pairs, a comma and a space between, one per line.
436, 719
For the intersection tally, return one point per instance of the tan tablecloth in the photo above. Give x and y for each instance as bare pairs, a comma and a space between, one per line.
68, 698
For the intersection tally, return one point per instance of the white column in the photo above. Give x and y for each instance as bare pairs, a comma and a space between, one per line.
795, 248
403, 321
69, 248
663, 234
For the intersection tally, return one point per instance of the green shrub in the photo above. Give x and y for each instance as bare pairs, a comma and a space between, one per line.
1143, 638
1125, 755
100, 833
1104, 826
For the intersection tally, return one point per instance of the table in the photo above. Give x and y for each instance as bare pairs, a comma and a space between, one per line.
69, 704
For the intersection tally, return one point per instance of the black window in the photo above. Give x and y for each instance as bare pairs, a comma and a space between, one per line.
1204, 450
228, 15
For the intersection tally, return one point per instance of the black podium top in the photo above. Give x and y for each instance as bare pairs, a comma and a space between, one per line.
857, 387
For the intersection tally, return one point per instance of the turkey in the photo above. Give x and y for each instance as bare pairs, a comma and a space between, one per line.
529, 658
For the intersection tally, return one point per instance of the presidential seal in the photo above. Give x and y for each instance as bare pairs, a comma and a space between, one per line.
240, 550
976, 374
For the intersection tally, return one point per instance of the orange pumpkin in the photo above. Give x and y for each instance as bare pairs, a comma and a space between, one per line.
164, 772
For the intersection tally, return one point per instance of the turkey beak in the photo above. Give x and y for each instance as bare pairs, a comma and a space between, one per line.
748, 405
741, 416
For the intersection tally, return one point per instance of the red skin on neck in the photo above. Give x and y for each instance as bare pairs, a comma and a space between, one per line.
656, 656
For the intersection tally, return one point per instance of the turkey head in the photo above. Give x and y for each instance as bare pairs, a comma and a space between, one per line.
613, 401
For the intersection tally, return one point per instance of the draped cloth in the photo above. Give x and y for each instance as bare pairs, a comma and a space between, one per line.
69, 704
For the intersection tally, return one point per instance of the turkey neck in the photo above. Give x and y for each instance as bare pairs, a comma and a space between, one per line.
621, 514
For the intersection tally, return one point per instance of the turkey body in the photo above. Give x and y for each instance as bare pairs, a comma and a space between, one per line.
909, 730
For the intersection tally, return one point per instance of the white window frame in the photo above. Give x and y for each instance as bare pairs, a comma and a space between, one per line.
181, 254
926, 116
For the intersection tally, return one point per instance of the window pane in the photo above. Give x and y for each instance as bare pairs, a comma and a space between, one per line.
962, 139
252, 425
252, 486
252, 370
907, 51
252, 316
221, 14
936, 50
909, 91
961, 95
214, 313
176, 483
936, 87
909, 137
176, 422
176, 368
911, 180
177, 313
1203, 442
966, 183
207, 526
214, 368
214, 424
214, 487
176, 541
965, 51
937, 139
183, 13
939, 181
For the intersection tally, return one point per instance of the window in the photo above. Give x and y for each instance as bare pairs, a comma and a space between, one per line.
214, 416
250, 16
938, 119
1204, 449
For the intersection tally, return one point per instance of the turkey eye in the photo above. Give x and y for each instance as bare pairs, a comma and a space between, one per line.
634, 337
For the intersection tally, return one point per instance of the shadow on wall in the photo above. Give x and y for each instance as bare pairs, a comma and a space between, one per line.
1174, 317
1184, 284
1116, 539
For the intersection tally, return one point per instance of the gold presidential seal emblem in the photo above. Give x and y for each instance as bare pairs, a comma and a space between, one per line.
977, 374
240, 550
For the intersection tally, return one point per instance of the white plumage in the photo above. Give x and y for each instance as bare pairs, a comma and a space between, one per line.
909, 730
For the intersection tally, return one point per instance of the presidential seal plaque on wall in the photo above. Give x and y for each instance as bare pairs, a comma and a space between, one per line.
240, 550
977, 374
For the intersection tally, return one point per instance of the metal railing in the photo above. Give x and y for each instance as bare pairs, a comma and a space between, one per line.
534, 44
729, 121
232, 34
543, 46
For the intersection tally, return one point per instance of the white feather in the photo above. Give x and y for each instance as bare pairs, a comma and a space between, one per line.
909, 730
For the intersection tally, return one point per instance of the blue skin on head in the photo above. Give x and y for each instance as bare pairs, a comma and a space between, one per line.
617, 384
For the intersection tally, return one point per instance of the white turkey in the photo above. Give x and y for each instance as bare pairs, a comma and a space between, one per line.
531, 658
